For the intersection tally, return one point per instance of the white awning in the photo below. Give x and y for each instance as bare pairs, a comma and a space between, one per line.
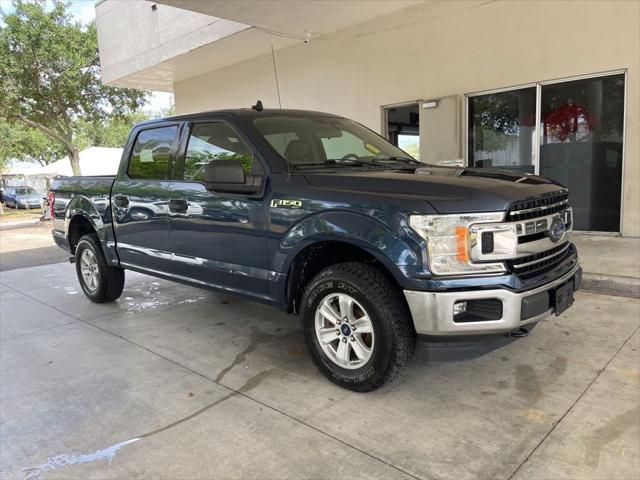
93, 161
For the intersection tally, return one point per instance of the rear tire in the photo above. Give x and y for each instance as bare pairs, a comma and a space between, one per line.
373, 354
99, 282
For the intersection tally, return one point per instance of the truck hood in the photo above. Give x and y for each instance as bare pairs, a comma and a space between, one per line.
447, 189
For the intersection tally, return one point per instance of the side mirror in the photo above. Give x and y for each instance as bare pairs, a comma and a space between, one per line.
228, 176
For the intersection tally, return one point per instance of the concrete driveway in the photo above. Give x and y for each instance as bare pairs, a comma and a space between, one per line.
29, 246
175, 382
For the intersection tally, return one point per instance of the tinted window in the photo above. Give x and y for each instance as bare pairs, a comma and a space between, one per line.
347, 145
311, 140
212, 142
279, 141
151, 154
25, 191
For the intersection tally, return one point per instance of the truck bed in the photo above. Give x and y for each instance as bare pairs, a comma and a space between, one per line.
99, 185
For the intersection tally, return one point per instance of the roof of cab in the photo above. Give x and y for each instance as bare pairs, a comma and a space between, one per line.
241, 113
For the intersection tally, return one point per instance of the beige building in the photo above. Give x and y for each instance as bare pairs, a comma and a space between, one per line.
548, 87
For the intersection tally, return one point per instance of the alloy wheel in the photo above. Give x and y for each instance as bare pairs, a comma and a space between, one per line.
344, 331
89, 269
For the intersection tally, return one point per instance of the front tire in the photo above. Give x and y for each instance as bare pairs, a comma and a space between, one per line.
99, 282
357, 326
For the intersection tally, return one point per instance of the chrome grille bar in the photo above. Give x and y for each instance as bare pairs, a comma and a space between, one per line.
539, 209
540, 206
540, 260
531, 237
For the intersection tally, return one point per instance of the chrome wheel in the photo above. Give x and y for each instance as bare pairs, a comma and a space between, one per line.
344, 331
89, 269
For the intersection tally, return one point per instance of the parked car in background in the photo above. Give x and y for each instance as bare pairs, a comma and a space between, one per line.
22, 197
319, 216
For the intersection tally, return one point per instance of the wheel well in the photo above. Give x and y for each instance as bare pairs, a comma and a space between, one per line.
314, 258
78, 227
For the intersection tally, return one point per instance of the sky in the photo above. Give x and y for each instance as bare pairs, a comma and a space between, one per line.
85, 12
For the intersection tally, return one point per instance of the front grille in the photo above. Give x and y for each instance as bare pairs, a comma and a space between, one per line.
539, 262
538, 207
531, 238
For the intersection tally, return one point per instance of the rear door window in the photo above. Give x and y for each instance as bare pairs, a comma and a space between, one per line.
152, 153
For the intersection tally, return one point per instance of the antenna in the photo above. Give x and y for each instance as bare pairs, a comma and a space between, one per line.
275, 73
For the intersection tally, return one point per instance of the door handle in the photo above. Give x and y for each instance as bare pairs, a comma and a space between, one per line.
121, 201
178, 205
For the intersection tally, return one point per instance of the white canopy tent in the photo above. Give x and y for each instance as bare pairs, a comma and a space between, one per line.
93, 161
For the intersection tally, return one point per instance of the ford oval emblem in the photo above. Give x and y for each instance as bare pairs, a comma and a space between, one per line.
557, 229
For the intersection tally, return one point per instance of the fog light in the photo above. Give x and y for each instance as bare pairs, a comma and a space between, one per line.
459, 308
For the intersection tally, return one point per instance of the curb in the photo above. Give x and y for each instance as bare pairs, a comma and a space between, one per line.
13, 226
611, 285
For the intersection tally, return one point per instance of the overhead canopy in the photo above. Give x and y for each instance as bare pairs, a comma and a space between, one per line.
294, 18
152, 45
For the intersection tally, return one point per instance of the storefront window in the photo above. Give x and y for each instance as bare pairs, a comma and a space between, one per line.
501, 130
581, 146
581, 139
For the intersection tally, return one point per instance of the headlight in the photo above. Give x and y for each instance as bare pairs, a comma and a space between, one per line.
449, 242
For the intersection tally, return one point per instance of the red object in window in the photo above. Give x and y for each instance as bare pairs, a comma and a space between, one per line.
565, 120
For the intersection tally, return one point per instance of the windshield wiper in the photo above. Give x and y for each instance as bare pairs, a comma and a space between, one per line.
410, 160
350, 162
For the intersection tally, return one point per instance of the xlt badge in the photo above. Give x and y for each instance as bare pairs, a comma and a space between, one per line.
285, 203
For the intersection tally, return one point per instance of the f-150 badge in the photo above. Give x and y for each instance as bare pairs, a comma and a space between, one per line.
285, 203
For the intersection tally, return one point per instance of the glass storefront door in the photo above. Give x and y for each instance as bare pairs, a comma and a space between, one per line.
501, 130
581, 147
579, 126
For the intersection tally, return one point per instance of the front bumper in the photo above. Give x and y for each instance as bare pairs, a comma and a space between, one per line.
432, 312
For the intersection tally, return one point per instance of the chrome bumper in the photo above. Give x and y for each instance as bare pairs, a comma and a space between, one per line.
432, 312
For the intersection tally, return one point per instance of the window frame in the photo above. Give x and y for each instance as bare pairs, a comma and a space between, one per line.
537, 144
172, 155
179, 163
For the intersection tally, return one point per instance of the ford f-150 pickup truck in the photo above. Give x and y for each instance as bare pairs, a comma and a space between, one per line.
319, 216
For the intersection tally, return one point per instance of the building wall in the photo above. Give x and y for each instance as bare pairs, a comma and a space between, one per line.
443, 49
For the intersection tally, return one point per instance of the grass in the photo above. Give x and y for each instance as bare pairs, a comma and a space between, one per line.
11, 214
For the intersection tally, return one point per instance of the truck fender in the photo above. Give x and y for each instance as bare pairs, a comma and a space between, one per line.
390, 249
81, 206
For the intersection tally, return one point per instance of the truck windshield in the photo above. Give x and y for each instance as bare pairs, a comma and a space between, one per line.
25, 191
316, 142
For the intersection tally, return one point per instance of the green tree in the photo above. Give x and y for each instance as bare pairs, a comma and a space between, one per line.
24, 143
112, 132
50, 76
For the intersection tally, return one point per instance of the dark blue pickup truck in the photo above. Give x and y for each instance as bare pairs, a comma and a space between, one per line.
319, 216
